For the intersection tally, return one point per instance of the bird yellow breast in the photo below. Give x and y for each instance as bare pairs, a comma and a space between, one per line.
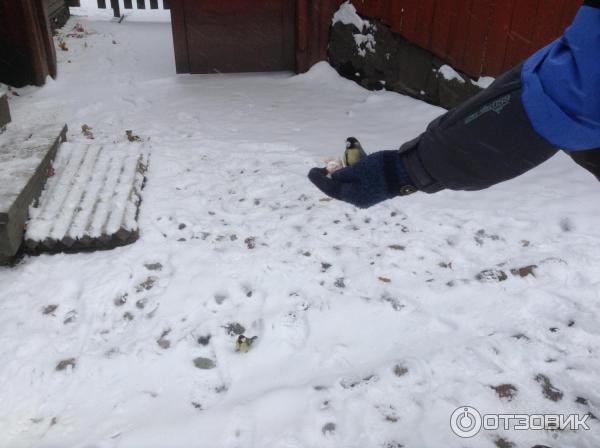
353, 156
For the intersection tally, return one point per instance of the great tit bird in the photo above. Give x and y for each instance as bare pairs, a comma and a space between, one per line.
354, 152
243, 344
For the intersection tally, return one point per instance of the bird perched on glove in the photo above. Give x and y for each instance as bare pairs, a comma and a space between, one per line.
366, 180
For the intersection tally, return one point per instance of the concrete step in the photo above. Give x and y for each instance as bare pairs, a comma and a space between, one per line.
26, 155
4, 111
92, 201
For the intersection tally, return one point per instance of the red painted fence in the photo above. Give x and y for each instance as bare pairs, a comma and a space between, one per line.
479, 37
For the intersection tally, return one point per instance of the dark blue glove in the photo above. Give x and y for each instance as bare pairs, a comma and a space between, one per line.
374, 179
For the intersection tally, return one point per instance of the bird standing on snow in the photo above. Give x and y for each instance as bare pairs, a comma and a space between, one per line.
244, 344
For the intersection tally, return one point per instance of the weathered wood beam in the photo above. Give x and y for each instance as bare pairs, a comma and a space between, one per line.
182, 55
27, 54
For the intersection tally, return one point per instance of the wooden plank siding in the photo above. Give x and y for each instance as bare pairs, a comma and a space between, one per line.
58, 12
54, 6
497, 40
212, 36
479, 37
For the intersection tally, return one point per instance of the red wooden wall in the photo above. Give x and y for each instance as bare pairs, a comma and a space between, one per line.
479, 37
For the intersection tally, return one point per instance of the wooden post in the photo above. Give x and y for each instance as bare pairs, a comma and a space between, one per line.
27, 53
302, 31
313, 19
182, 56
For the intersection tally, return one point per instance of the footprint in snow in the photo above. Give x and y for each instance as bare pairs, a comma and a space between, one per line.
241, 428
209, 385
174, 229
351, 383
148, 291
293, 330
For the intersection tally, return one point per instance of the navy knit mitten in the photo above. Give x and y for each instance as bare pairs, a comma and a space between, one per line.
374, 179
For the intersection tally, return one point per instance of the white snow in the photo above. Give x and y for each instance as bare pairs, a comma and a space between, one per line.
484, 81
348, 15
449, 73
364, 43
342, 300
365, 39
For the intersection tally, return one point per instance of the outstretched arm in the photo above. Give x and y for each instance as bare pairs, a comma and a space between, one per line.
486, 140
524, 118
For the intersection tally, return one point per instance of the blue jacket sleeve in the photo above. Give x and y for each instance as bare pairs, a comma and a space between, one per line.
561, 84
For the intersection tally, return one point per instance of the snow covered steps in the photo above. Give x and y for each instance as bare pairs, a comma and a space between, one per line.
92, 200
26, 155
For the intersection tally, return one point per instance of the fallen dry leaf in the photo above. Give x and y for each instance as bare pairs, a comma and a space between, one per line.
66, 363
524, 271
507, 391
87, 132
132, 137
548, 389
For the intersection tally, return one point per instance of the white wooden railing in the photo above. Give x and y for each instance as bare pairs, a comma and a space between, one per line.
150, 10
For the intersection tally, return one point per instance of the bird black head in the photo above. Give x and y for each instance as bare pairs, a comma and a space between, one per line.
351, 142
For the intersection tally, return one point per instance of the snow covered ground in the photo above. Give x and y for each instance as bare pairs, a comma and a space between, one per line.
373, 326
